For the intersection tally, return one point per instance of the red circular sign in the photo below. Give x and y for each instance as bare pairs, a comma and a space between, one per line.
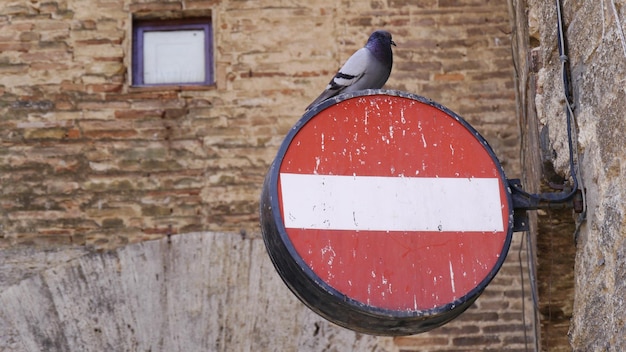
393, 202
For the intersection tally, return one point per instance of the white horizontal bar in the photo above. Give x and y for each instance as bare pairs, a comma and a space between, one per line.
370, 203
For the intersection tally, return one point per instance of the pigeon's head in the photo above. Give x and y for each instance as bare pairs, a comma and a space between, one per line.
379, 44
381, 38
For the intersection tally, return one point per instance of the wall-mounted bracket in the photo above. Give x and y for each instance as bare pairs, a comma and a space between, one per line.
523, 201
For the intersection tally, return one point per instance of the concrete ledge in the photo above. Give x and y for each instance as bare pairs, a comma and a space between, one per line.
192, 292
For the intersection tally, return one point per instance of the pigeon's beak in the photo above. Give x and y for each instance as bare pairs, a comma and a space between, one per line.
393, 43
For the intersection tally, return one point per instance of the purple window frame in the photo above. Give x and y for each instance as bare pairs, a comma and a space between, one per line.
140, 27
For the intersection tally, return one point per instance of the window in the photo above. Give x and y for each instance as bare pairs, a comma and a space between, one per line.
172, 52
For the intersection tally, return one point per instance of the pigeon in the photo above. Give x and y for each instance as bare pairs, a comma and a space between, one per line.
368, 68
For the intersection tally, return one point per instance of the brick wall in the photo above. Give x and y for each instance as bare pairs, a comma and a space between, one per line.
88, 159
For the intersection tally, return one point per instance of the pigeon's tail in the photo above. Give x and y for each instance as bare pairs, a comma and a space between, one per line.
325, 95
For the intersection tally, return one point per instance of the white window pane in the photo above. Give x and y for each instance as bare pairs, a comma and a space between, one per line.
174, 57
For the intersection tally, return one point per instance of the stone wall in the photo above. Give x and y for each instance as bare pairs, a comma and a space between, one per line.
209, 292
88, 159
590, 290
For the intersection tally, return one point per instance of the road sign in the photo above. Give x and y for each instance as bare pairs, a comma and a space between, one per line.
386, 213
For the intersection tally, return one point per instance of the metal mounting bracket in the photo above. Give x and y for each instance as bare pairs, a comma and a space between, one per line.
522, 202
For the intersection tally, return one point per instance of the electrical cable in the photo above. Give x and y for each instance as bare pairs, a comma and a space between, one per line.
533, 286
521, 269
553, 197
561, 196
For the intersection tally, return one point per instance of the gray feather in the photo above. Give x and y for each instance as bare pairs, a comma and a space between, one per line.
368, 68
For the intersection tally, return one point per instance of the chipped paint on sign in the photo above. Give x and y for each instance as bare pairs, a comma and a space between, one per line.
452, 278
393, 203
